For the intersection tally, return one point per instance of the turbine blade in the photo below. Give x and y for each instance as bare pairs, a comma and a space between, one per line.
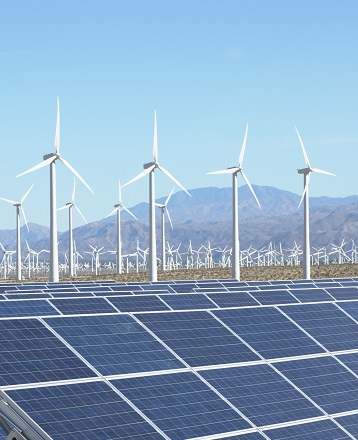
168, 198
251, 189
170, 220
227, 171
80, 213
129, 212
57, 133
119, 192
23, 214
63, 207
316, 170
112, 212
241, 158
140, 175
9, 201
70, 167
303, 149
305, 189
155, 141
26, 194
173, 179
40, 165
74, 190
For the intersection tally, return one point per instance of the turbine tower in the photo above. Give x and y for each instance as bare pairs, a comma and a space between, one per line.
149, 168
19, 208
117, 208
69, 206
50, 159
306, 222
163, 207
235, 268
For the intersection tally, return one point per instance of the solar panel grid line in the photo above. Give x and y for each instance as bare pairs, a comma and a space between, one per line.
232, 435
293, 294
210, 299
164, 302
107, 299
346, 312
56, 308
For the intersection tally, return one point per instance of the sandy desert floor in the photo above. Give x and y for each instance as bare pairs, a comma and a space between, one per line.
247, 274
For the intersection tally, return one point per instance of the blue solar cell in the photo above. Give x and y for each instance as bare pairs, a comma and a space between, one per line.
83, 411
349, 283
267, 297
27, 295
243, 289
138, 303
261, 394
325, 381
188, 301
29, 352
268, 332
326, 323
350, 423
197, 337
350, 360
324, 285
323, 429
274, 287
94, 288
233, 283
351, 308
233, 299
125, 288
36, 307
311, 295
249, 436
158, 287
83, 305
183, 288
57, 294
149, 292
210, 289
298, 285
343, 293
114, 344
181, 405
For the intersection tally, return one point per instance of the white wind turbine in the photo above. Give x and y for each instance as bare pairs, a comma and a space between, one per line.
69, 206
163, 208
149, 168
117, 208
50, 159
19, 208
306, 232
235, 268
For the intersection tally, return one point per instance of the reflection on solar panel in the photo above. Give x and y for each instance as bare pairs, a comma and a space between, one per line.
126, 365
114, 344
181, 405
198, 338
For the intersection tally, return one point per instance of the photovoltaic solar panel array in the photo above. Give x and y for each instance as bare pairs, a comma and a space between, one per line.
180, 360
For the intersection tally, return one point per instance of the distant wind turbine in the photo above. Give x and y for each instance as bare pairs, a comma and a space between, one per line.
117, 208
50, 159
69, 206
19, 208
149, 168
235, 268
306, 231
163, 208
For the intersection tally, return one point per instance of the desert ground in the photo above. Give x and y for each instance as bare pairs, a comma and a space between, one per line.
262, 273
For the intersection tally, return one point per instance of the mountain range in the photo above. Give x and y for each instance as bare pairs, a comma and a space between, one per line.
206, 216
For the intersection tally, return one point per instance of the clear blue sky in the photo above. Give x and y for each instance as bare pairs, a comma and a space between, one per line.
206, 67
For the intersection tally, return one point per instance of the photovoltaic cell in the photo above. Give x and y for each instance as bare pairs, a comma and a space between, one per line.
325, 381
233, 299
83, 305
350, 423
324, 429
138, 303
311, 295
83, 411
181, 405
30, 353
350, 360
350, 307
28, 295
343, 293
197, 337
269, 332
266, 297
114, 344
261, 394
188, 301
327, 324
36, 307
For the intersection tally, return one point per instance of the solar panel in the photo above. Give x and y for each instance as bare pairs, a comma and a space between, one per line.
350, 423
36, 307
266, 297
268, 332
138, 303
83, 411
343, 293
188, 301
233, 299
350, 360
82, 305
197, 337
181, 405
311, 295
184, 288
30, 353
31, 295
261, 394
325, 381
350, 307
323, 429
114, 344
326, 323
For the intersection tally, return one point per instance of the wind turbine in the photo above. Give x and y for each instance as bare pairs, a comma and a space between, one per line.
117, 208
306, 231
235, 269
149, 168
69, 206
19, 208
50, 159
163, 208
